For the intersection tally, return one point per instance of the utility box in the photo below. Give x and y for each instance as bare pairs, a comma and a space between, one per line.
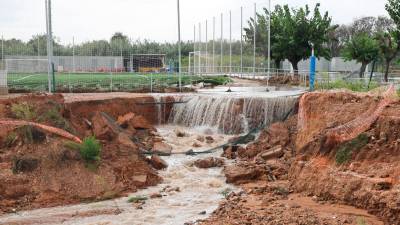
3, 82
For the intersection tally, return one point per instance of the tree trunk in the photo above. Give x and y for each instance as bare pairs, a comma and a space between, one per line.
295, 68
362, 69
277, 64
387, 71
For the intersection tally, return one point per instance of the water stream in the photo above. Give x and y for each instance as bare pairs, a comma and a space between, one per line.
213, 113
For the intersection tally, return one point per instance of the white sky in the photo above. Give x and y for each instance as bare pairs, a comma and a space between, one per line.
151, 19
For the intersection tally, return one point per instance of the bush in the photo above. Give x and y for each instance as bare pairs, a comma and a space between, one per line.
56, 119
90, 149
23, 111
10, 139
345, 152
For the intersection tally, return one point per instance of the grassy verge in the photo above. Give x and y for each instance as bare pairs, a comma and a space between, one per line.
357, 86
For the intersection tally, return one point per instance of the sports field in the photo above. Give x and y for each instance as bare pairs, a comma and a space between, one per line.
104, 81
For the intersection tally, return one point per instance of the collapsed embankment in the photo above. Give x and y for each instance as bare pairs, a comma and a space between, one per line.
293, 175
41, 169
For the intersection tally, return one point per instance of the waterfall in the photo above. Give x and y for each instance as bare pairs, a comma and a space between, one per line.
231, 115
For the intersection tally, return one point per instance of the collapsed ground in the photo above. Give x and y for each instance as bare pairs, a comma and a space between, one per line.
288, 176
41, 169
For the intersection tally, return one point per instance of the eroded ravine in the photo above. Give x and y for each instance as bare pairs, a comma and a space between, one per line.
189, 193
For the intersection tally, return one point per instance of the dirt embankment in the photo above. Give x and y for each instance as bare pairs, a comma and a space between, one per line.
290, 177
39, 169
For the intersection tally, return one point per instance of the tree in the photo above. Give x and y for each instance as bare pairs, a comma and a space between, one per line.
120, 44
363, 49
262, 34
388, 49
296, 30
393, 8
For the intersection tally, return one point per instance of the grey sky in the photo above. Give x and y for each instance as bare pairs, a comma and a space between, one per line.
151, 19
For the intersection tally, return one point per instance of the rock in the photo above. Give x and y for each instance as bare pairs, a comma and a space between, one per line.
162, 147
196, 145
140, 180
158, 163
242, 173
139, 122
156, 195
200, 138
209, 163
275, 152
124, 140
180, 133
278, 134
102, 128
230, 152
209, 140
124, 120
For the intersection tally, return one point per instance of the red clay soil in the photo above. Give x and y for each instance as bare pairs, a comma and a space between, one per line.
46, 172
301, 181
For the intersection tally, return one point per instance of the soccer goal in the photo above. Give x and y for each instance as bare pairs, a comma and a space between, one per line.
147, 63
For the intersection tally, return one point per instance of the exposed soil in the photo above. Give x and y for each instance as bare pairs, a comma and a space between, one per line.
44, 171
288, 177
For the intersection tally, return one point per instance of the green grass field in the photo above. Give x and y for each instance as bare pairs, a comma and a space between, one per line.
104, 81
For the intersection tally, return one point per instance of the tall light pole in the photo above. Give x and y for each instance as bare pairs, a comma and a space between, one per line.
269, 42
230, 42
206, 46
194, 49
200, 48
179, 47
49, 44
213, 46
254, 39
222, 40
241, 41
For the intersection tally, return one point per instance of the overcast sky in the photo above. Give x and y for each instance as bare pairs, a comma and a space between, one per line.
151, 19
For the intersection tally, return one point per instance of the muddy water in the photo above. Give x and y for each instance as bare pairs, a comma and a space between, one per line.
199, 192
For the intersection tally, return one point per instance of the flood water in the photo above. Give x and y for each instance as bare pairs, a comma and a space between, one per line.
211, 112
200, 191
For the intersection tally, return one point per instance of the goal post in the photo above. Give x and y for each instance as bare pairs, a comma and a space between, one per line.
3, 82
148, 63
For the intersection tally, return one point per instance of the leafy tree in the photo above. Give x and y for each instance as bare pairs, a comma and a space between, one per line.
362, 48
295, 30
389, 48
393, 8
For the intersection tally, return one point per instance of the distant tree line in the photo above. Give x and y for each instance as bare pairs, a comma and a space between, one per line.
293, 33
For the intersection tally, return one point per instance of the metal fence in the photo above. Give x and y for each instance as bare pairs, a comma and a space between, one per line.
224, 45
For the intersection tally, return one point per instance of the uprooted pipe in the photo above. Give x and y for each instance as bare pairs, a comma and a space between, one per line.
352, 129
53, 130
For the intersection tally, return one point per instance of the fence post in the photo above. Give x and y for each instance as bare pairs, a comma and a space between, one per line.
254, 39
241, 41
222, 42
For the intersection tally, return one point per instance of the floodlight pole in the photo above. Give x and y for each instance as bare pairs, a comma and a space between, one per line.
49, 43
241, 41
230, 42
222, 41
2, 47
206, 47
213, 46
73, 55
194, 50
179, 46
200, 48
254, 39
269, 42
